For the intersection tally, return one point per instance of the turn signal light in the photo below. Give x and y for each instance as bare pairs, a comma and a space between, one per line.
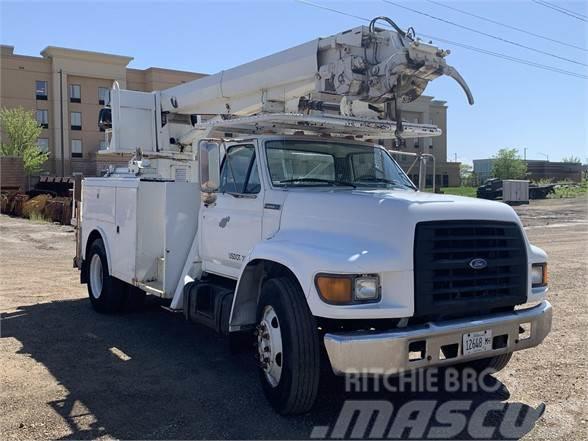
336, 290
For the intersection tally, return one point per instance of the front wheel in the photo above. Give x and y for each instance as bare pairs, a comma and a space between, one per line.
489, 365
288, 347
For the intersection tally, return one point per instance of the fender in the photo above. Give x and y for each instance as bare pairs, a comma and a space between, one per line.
307, 252
244, 307
304, 254
536, 254
103, 236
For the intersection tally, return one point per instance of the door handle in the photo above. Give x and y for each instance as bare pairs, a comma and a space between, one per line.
243, 195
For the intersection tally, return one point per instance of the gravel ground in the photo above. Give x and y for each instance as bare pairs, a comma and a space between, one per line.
70, 373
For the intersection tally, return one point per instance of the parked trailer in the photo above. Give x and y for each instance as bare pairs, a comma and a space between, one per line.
280, 219
492, 189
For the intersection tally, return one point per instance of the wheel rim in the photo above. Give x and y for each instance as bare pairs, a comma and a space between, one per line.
96, 276
269, 346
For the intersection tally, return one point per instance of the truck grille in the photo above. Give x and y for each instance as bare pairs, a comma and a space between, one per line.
445, 283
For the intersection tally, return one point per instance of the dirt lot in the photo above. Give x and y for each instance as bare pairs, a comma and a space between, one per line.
68, 372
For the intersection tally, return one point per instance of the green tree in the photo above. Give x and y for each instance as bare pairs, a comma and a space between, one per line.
467, 175
508, 165
33, 159
465, 170
22, 131
573, 159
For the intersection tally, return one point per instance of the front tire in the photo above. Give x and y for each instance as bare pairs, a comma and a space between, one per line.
106, 293
490, 365
288, 347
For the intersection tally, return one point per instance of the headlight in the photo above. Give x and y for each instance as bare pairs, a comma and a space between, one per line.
346, 289
539, 275
367, 288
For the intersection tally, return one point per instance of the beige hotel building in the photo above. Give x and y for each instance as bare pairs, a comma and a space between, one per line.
67, 87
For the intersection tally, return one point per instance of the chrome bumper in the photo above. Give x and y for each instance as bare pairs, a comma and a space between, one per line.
390, 352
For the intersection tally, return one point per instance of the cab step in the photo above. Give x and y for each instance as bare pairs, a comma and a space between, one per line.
208, 304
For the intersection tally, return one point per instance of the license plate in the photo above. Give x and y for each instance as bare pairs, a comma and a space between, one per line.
475, 342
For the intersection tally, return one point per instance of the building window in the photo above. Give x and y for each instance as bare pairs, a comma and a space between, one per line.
75, 93
417, 143
75, 119
41, 88
103, 145
43, 118
43, 144
104, 96
429, 141
76, 148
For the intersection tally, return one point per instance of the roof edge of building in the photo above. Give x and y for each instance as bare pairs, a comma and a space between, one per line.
7, 49
163, 69
57, 51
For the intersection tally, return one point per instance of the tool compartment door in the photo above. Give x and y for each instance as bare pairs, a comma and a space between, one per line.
124, 244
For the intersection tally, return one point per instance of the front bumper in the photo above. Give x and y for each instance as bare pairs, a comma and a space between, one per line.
393, 351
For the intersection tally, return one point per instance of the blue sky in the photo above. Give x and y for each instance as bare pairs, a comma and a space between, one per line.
516, 105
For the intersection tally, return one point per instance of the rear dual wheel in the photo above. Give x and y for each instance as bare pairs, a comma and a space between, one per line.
108, 294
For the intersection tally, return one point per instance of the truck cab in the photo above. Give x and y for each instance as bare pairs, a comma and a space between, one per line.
324, 245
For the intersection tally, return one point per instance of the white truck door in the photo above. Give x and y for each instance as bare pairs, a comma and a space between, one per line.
232, 225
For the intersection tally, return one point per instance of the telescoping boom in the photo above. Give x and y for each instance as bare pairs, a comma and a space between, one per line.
365, 72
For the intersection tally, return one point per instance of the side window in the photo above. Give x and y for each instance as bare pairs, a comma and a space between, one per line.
239, 171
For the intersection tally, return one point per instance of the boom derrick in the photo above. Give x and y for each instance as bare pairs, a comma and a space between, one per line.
363, 73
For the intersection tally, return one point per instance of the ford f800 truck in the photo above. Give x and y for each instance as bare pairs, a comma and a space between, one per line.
260, 202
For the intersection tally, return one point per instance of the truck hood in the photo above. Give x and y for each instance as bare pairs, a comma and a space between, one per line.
378, 223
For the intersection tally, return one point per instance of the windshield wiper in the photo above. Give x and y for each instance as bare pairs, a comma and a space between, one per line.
382, 180
326, 181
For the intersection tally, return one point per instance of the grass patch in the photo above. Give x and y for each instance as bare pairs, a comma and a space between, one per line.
564, 190
38, 217
570, 190
460, 191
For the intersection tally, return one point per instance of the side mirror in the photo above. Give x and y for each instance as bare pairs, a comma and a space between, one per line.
209, 161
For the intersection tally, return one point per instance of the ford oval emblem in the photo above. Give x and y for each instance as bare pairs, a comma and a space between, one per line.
478, 264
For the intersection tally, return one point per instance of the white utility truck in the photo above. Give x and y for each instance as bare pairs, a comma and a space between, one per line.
258, 201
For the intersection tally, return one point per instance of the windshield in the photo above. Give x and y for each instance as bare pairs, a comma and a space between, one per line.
318, 163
